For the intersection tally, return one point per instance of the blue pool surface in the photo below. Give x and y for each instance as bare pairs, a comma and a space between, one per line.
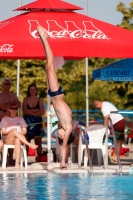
54, 186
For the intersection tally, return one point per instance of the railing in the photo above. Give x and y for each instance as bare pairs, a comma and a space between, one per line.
80, 115
109, 124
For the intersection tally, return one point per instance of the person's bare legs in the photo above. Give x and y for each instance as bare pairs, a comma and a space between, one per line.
119, 145
38, 141
14, 134
27, 148
17, 149
1, 145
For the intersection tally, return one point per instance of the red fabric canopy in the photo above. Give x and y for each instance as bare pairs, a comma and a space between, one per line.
71, 35
48, 5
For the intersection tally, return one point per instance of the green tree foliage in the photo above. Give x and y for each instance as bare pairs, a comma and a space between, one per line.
72, 77
127, 21
31, 71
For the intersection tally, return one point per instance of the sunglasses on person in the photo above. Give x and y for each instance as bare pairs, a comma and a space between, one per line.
13, 108
7, 83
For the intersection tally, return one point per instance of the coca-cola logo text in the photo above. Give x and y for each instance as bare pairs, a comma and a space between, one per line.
54, 30
6, 48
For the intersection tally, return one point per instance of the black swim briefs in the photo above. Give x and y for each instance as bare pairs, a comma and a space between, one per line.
58, 92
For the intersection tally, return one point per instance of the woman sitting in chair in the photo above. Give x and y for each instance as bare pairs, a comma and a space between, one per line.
14, 130
33, 109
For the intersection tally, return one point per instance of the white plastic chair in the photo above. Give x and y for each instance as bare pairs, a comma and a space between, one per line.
5, 151
95, 133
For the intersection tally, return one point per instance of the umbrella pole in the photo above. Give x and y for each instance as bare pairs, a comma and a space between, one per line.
87, 98
48, 129
87, 81
18, 65
18, 77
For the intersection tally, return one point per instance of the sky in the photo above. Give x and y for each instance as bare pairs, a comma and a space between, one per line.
104, 10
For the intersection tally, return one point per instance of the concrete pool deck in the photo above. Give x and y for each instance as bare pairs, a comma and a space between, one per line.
34, 167
42, 168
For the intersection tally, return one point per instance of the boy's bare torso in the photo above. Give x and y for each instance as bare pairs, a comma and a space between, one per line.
63, 111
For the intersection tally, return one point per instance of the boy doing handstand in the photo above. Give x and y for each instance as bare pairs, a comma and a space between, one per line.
56, 93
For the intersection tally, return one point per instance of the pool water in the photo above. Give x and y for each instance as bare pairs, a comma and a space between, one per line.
54, 186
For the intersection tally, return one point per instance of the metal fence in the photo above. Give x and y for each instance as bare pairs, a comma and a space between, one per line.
80, 115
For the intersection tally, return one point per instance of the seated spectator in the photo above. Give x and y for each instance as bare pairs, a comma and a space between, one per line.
33, 109
6, 98
14, 130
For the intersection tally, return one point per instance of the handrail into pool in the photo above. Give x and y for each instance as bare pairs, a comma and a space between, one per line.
88, 152
109, 124
130, 112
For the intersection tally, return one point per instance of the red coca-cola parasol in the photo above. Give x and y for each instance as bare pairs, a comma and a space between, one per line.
49, 5
71, 35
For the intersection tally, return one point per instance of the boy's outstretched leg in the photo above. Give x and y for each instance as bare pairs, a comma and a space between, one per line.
52, 80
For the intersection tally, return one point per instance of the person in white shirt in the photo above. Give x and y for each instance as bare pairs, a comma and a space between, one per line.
118, 121
13, 130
